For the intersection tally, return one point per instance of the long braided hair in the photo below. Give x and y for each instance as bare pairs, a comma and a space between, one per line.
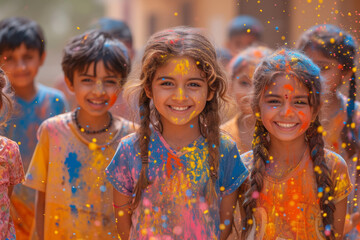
295, 64
335, 43
162, 46
6, 105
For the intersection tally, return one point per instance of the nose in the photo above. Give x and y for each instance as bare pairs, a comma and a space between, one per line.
179, 94
21, 64
287, 110
99, 87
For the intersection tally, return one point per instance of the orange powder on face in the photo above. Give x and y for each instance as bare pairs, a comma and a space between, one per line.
112, 99
289, 87
288, 112
302, 114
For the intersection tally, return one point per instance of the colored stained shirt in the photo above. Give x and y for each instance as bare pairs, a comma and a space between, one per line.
11, 173
288, 208
174, 205
22, 128
71, 172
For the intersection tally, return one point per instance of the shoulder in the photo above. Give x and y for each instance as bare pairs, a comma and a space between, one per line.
8, 146
226, 141
55, 122
125, 126
52, 93
229, 125
334, 160
129, 141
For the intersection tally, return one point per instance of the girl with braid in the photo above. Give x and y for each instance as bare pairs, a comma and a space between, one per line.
334, 51
178, 176
297, 189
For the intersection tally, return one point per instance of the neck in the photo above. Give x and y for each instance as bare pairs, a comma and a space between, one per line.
93, 122
286, 154
179, 136
26, 93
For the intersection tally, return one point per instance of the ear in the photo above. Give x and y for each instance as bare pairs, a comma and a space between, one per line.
210, 95
69, 84
148, 92
42, 58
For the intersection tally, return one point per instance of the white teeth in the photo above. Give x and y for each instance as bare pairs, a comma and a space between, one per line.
179, 108
286, 125
96, 102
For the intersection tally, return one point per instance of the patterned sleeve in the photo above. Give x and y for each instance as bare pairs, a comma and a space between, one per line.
119, 170
339, 175
232, 171
16, 170
36, 176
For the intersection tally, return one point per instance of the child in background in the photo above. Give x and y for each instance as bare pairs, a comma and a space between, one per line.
243, 31
178, 176
241, 70
241, 126
298, 189
22, 52
334, 51
74, 199
11, 169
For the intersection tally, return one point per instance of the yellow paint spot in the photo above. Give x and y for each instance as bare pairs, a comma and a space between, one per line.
206, 211
250, 221
121, 213
320, 129
92, 146
222, 226
57, 99
143, 232
147, 211
19, 143
332, 40
175, 14
354, 69
248, 30
222, 188
56, 232
182, 67
343, 145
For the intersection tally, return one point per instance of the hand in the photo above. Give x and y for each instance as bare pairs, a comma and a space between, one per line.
352, 222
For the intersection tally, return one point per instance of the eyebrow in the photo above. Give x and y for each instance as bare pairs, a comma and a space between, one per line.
279, 96
88, 75
171, 78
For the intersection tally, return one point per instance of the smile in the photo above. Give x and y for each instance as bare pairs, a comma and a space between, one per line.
176, 108
97, 102
286, 125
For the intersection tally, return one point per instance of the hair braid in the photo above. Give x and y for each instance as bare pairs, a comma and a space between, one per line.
144, 139
260, 151
348, 133
323, 179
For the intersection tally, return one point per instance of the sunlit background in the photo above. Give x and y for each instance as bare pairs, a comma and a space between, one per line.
284, 20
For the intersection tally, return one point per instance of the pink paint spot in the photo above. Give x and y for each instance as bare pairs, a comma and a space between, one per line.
289, 87
255, 195
177, 230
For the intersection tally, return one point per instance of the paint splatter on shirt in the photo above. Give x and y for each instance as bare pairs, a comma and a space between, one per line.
11, 173
288, 207
71, 172
174, 205
22, 128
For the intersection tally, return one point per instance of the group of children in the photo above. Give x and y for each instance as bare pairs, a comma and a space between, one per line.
291, 171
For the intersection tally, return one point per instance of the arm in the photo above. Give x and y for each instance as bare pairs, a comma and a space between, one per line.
227, 207
39, 213
339, 218
10, 190
122, 204
352, 222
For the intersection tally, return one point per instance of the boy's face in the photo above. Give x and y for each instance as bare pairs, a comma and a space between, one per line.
95, 90
21, 65
239, 42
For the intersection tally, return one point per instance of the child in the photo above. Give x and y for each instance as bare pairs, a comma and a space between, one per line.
68, 167
241, 70
334, 51
297, 188
11, 169
22, 52
178, 174
243, 32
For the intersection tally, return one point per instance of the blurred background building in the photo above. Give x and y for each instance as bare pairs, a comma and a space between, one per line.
284, 20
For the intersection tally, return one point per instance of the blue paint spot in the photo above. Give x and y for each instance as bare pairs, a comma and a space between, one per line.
73, 189
164, 225
156, 209
277, 28
164, 217
102, 188
73, 166
227, 222
320, 189
188, 193
191, 126
74, 210
30, 177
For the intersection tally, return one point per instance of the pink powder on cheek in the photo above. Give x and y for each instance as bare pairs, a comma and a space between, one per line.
112, 99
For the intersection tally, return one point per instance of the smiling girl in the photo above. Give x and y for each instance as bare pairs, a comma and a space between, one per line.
297, 188
178, 176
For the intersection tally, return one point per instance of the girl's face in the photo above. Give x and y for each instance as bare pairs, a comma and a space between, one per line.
331, 69
179, 92
285, 110
242, 87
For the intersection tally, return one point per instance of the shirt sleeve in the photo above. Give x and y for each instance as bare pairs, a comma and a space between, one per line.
232, 172
16, 170
119, 170
340, 176
36, 176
